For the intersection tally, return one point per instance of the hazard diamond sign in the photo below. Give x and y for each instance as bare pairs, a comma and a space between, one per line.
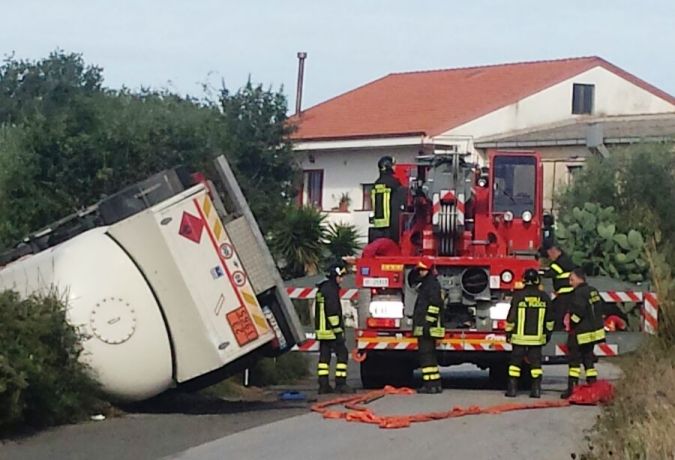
191, 227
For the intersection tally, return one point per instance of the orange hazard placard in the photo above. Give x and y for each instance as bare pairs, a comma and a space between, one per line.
242, 326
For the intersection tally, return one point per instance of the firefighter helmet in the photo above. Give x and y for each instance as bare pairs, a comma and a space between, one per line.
531, 276
425, 263
386, 163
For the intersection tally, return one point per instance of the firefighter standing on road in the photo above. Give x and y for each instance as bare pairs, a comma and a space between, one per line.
529, 325
586, 329
329, 325
559, 270
385, 197
427, 323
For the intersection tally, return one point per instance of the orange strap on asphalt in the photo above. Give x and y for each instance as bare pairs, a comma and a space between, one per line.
355, 410
358, 357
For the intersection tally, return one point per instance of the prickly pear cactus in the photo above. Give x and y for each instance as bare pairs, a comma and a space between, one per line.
590, 236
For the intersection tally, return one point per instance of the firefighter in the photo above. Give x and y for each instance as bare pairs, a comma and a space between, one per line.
586, 329
386, 200
427, 323
329, 325
529, 325
559, 270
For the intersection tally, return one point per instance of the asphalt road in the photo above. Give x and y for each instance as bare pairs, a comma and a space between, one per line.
192, 427
543, 433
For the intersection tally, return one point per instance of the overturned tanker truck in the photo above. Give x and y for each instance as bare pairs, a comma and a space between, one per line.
169, 285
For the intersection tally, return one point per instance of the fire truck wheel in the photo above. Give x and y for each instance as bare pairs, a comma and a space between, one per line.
378, 371
499, 374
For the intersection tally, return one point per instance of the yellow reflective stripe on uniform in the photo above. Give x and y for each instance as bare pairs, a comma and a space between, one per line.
536, 373
557, 268
418, 331
550, 325
528, 340
323, 366
435, 377
588, 337
509, 327
521, 322
563, 275
514, 371
341, 366
381, 189
334, 320
575, 318
323, 333
337, 330
592, 372
540, 322
433, 310
565, 290
431, 319
574, 372
437, 332
429, 369
339, 374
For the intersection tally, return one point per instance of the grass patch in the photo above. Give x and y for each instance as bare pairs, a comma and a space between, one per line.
640, 423
284, 370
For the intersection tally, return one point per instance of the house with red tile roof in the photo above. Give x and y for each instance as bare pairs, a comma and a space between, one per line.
340, 140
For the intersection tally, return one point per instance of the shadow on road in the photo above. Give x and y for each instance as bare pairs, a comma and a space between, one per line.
175, 402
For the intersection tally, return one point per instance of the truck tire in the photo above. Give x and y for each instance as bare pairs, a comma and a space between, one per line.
499, 374
378, 371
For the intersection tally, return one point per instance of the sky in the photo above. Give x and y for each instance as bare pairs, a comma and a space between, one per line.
180, 45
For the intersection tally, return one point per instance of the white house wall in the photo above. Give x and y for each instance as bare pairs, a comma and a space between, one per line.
613, 96
344, 172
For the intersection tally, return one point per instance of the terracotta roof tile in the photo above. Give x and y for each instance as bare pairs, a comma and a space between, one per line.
432, 102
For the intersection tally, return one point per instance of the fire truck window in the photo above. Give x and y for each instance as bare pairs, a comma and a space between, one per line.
514, 184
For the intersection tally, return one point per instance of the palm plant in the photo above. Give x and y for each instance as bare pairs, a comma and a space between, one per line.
297, 241
341, 240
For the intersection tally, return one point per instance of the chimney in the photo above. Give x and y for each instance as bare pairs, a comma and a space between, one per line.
301, 76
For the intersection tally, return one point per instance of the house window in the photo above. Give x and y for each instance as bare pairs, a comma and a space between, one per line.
367, 204
582, 99
573, 170
312, 187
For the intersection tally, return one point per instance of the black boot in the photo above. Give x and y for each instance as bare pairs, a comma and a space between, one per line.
590, 380
436, 387
511, 388
426, 388
324, 386
571, 383
535, 391
342, 387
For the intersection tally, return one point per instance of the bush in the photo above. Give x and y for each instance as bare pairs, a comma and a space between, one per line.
639, 424
590, 235
288, 368
42, 382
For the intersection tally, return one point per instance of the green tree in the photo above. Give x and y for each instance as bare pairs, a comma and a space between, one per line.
257, 141
639, 182
66, 141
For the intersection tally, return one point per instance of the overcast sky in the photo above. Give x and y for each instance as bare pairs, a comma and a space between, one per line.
180, 44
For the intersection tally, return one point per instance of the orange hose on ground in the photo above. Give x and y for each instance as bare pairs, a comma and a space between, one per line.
358, 357
357, 412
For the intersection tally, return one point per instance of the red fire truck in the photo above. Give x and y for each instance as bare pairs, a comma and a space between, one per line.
483, 227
